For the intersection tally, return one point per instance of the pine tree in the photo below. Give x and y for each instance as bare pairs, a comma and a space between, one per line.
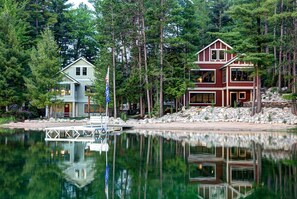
12, 53
45, 65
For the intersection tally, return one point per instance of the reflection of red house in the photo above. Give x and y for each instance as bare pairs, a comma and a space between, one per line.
221, 79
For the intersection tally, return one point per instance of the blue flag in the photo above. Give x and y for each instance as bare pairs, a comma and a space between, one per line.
107, 87
106, 181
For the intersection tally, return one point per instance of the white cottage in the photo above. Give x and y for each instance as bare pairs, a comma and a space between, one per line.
78, 77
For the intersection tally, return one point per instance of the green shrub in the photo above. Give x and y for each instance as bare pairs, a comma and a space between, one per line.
5, 120
123, 116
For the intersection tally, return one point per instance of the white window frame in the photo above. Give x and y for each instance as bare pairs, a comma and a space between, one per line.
217, 54
215, 77
244, 95
205, 178
230, 73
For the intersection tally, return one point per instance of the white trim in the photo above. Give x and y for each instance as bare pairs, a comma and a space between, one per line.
210, 62
203, 92
238, 87
206, 88
241, 93
215, 78
81, 58
218, 55
214, 43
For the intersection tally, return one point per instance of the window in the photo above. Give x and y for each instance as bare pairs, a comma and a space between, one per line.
77, 70
241, 95
89, 89
202, 170
93, 108
241, 74
64, 89
84, 72
217, 54
202, 98
203, 76
242, 174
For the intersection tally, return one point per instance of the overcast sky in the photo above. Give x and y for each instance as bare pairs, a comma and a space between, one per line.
77, 2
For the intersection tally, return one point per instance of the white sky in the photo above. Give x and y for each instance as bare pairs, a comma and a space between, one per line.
77, 2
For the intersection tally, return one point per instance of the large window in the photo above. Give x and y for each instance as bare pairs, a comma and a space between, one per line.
89, 89
202, 170
203, 76
241, 74
242, 174
202, 98
217, 54
64, 89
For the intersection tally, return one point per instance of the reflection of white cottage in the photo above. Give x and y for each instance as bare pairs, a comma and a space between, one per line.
78, 77
76, 169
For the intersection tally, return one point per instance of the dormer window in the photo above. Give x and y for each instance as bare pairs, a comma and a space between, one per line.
84, 71
217, 54
77, 71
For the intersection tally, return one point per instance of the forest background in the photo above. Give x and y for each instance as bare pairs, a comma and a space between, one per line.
149, 45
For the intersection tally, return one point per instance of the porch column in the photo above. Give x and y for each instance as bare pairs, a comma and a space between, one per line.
223, 101
227, 89
73, 109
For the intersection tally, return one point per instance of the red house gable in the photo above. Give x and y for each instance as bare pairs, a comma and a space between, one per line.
215, 53
221, 78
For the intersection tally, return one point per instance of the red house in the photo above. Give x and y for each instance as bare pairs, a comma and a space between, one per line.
220, 79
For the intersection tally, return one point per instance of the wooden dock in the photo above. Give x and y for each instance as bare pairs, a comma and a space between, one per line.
76, 133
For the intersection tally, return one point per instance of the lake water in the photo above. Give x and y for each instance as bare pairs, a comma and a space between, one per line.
142, 165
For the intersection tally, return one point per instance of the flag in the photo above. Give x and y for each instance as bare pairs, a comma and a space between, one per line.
106, 180
107, 86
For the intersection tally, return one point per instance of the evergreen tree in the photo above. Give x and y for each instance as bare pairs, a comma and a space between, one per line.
45, 66
12, 53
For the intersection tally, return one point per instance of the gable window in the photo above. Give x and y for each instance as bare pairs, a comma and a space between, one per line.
203, 76
202, 98
241, 74
217, 54
84, 71
77, 70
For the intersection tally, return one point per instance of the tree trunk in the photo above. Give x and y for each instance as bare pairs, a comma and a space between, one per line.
145, 62
114, 68
280, 49
259, 101
161, 59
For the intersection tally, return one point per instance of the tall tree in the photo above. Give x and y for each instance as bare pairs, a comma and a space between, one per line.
12, 52
249, 39
45, 65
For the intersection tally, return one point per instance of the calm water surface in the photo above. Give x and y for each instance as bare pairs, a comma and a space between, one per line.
142, 165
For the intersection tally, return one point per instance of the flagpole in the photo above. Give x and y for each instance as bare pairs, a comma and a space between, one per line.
107, 91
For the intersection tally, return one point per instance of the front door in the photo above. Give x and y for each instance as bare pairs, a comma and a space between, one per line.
66, 110
233, 99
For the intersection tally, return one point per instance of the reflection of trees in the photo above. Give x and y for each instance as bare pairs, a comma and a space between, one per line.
44, 177
11, 164
280, 177
151, 167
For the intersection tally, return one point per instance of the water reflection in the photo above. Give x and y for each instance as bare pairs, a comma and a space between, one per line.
150, 165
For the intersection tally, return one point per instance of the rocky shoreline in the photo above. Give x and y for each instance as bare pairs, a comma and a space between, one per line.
194, 119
